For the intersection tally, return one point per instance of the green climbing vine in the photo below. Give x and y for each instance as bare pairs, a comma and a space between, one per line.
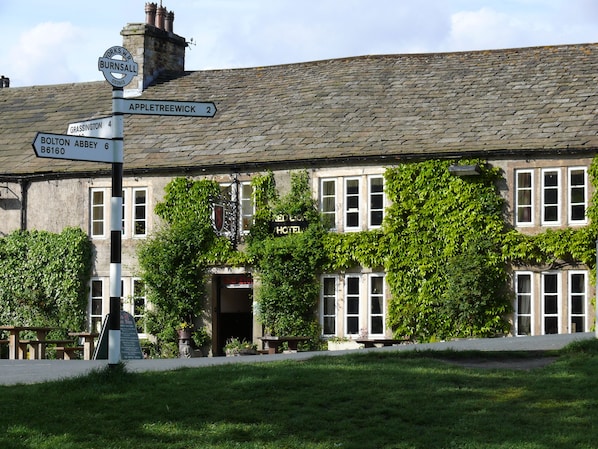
288, 266
445, 246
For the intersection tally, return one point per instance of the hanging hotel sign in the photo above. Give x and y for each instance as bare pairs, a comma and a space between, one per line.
118, 66
286, 224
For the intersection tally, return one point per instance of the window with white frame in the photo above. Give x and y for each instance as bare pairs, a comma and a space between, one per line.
524, 187
563, 196
329, 304
376, 303
139, 212
551, 288
352, 296
134, 212
578, 291
246, 205
577, 195
551, 211
523, 303
328, 202
98, 215
352, 193
241, 195
139, 303
376, 201
96, 305
352, 203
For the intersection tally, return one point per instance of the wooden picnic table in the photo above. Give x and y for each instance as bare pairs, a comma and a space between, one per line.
273, 342
17, 350
88, 342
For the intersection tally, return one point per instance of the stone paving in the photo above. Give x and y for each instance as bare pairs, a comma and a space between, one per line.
14, 372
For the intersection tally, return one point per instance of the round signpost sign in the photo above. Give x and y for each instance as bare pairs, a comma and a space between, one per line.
118, 66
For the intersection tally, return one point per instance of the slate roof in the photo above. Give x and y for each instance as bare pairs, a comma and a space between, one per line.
387, 108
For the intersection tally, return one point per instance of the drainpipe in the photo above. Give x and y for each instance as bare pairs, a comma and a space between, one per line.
24, 189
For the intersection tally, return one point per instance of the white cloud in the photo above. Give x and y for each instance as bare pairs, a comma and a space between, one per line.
44, 54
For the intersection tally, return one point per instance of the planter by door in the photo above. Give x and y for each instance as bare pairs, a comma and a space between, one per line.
185, 343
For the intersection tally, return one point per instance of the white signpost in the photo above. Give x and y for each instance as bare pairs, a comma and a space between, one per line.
101, 140
75, 148
97, 127
178, 108
118, 66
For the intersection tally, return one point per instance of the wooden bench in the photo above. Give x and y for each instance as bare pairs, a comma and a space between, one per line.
68, 352
39, 347
272, 343
373, 342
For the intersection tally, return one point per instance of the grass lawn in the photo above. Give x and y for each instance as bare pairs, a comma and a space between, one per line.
373, 400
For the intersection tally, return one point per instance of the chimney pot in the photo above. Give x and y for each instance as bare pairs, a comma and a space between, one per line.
150, 13
168, 23
160, 16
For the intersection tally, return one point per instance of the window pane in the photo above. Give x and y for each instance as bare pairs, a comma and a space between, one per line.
329, 306
377, 305
352, 219
578, 283
376, 185
353, 286
377, 217
352, 186
329, 326
328, 188
329, 286
524, 197
352, 306
352, 325
551, 325
524, 179
551, 213
377, 284
377, 325
524, 304
578, 212
524, 325
96, 288
577, 304
577, 324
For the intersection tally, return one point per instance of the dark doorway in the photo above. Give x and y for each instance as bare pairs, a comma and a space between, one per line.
235, 312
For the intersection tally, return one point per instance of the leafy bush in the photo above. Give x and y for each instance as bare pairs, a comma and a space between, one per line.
44, 278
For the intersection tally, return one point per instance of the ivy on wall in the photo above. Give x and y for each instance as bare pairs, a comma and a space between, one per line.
445, 246
288, 267
44, 279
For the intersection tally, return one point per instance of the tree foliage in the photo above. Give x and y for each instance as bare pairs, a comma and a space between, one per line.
174, 261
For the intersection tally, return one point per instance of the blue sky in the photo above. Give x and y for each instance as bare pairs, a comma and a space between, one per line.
60, 41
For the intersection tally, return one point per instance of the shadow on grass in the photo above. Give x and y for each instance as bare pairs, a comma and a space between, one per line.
373, 400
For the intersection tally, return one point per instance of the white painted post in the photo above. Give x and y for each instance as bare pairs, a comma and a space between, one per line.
116, 202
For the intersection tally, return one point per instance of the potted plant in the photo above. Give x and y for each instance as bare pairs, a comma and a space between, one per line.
184, 330
235, 347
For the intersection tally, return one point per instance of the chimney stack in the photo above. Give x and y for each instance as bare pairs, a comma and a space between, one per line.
154, 46
160, 16
168, 22
150, 13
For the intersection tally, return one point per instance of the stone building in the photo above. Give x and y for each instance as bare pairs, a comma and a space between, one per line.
529, 111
